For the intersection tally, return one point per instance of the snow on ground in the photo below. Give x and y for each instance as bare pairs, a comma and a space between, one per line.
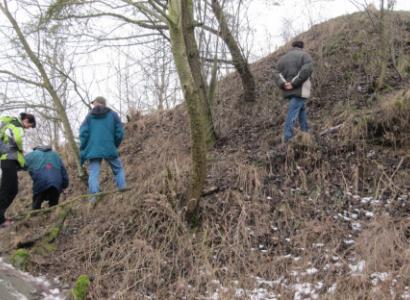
379, 277
303, 282
303, 290
16, 288
358, 267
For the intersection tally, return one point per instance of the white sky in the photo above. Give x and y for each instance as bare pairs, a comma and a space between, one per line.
268, 20
97, 71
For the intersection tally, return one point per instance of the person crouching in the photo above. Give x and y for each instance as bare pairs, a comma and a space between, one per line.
48, 173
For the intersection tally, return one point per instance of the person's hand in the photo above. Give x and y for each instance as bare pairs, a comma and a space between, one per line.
288, 86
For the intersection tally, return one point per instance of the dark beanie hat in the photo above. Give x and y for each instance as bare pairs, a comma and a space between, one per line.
298, 44
31, 119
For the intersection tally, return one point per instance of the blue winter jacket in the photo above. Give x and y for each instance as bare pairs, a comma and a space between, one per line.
46, 169
101, 134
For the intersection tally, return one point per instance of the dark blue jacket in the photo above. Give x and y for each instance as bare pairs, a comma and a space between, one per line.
46, 169
101, 134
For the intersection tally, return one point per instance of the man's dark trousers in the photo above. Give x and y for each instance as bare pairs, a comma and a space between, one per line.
51, 195
8, 186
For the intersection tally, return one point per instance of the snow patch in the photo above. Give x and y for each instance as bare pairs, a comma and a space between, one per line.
379, 277
356, 226
40, 282
357, 268
304, 290
311, 271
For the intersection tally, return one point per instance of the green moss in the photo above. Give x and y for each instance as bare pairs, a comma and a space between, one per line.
47, 248
79, 292
62, 213
53, 234
359, 57
400, 103
47, 245
349, 75
20, 259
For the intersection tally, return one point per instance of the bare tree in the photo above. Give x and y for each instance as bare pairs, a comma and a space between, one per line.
239, 61
45, 83
180, 20
288, 31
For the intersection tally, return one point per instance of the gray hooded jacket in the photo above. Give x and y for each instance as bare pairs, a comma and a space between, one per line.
296, 66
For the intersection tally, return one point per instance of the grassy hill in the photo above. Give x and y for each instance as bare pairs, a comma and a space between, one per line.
326, 218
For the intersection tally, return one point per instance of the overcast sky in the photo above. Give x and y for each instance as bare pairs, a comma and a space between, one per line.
270, 21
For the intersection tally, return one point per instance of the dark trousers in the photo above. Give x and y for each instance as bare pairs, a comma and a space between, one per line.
51, 195
8, 185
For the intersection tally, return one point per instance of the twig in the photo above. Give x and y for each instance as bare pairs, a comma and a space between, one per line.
331, 129
65, 203
210, 191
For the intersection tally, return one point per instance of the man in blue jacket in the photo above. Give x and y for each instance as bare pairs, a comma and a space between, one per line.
48, 173
101, 133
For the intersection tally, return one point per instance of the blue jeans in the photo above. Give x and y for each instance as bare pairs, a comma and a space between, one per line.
296, 110
94, 174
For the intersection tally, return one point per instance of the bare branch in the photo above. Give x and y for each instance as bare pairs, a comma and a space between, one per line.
20, 78
143, 24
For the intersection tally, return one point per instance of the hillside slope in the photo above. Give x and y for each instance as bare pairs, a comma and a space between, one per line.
328, 217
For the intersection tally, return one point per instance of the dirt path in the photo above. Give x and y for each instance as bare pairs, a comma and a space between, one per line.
17, 285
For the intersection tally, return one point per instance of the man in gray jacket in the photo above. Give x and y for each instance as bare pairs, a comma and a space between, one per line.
292, 73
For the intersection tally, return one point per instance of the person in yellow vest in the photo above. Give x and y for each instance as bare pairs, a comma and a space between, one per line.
11, 158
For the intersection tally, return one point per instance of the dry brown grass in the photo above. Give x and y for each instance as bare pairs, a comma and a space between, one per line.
387, 122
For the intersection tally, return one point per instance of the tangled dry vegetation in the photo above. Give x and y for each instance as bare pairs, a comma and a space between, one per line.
326, 218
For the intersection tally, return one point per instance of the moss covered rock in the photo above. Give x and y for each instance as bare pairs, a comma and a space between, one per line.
20, 258
79, 292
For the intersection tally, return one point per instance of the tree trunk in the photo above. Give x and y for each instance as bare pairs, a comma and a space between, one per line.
56, 134
383, 48
47, 86
178, 17
196, 70
239, 61
213, 82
